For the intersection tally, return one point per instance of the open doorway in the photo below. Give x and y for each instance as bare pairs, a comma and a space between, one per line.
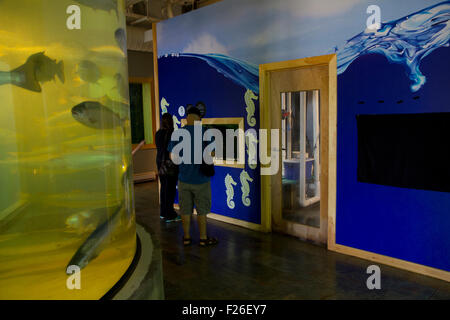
299, 99
300, 157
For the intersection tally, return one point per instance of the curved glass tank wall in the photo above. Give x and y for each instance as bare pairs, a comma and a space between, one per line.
65, 149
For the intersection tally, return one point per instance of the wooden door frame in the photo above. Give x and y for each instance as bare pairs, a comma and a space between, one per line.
327, 230
151, 82
330, 161
156, 74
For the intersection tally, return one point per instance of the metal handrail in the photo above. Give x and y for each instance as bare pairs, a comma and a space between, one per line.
139, 146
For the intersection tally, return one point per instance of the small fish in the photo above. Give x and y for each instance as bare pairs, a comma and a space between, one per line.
121, 38
88, 71
95, 115
122, 86
37, 69
105, 5
93, 245
85, 221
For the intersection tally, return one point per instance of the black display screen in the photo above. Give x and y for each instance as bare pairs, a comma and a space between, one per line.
136, 113
223, 129
405, 150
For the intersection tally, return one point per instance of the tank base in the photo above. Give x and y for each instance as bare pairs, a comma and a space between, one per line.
143, 280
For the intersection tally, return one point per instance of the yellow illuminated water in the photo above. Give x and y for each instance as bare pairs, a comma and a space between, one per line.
61, 179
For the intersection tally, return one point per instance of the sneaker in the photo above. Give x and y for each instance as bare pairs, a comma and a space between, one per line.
174, 219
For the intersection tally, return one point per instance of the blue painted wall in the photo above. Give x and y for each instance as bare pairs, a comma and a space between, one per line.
408, 224
409, 57
185, 80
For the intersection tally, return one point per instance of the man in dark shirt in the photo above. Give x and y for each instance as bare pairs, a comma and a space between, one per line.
168, 182
194, 188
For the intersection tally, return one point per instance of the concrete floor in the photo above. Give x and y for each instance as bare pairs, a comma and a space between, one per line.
252, 265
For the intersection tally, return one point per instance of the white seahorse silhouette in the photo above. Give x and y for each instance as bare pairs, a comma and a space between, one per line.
251, 141
164, 105
245, 188
176, 122
249, 97
229, 183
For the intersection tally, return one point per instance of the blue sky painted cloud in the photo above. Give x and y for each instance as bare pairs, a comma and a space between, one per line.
261, 31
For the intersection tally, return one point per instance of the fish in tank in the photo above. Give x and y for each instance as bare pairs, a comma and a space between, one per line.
37, 69
65, 150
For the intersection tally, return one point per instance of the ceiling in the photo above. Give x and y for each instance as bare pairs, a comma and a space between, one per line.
141, 14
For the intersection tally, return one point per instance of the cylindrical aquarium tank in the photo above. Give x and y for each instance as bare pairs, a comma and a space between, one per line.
65, 149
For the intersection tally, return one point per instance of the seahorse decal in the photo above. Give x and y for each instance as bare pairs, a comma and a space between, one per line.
164, 105
245, 187
229, 183
176, 122
249, 97
252, 142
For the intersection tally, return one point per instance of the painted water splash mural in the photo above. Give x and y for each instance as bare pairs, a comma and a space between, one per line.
240, 72
405, 41
227, 82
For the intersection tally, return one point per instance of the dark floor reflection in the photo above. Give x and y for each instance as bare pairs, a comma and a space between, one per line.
309, 216
252, 265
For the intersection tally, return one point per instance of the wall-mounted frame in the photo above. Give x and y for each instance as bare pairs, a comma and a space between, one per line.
235, 123
145, 114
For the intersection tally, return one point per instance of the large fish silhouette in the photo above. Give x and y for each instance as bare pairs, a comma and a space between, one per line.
121, 38
96, 241
37, 69
95, 115
89, 71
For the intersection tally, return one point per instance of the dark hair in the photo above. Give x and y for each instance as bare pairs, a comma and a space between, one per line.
193, 110
167, 121
199, 109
